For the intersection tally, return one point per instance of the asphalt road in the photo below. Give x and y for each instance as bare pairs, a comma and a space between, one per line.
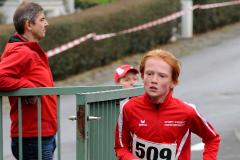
209, 79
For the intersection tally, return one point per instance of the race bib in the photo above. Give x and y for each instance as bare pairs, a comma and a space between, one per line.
146, 150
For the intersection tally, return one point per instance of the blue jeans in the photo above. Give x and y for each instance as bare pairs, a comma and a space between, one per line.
30, 148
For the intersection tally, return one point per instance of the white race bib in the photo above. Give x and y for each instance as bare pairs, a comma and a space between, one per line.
147, 150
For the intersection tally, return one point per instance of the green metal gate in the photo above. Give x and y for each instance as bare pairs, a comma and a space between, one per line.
97, 114
40, 92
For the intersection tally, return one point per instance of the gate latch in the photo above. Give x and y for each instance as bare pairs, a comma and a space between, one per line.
72, 118
93, 118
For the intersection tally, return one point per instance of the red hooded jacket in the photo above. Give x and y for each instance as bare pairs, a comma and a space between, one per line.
25, 65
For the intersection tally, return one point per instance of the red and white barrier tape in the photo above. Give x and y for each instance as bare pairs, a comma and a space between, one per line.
69, 45
159, 21
154, 23
103, 36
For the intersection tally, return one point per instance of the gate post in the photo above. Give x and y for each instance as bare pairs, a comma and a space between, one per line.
81, 144
187, 19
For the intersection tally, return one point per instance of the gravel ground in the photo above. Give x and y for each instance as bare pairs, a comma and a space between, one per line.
181, 47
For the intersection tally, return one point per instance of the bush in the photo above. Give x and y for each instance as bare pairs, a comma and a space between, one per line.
79, 4
6, 31
205, 20
106, 19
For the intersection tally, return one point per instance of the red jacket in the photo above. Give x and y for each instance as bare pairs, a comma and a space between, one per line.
169, 124
25, 65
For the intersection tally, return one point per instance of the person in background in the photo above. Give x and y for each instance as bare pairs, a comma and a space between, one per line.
157, 125
25, 65
126, 76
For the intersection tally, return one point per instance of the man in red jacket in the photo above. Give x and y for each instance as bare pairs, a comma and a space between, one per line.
157, 126
25, 65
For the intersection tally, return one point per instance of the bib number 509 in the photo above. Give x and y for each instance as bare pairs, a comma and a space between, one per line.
152, 153
146, 150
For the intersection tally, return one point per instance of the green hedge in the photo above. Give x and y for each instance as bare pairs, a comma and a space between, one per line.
209, 19
5, 32
113, 18
106, 19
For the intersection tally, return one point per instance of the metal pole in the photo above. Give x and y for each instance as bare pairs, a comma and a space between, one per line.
187, 19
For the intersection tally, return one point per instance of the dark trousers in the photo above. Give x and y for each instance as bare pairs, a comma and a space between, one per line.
30, 148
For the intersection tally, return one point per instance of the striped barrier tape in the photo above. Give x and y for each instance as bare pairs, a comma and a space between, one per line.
154, 23
95, 37
69, 45
159, 21
141, 27
104, 36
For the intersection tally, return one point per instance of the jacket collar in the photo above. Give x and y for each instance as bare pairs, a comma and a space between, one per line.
17, 40
164, 103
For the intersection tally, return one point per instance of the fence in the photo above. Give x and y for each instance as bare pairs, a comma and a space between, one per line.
102, 101
95, 141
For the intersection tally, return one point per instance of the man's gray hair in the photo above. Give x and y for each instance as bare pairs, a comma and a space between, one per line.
25, 11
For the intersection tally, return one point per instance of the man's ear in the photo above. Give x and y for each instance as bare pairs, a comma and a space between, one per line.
28, 26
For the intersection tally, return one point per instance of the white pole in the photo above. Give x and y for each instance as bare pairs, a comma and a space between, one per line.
70, 5
187, 19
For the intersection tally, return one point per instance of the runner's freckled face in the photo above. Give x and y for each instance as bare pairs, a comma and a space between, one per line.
157, 79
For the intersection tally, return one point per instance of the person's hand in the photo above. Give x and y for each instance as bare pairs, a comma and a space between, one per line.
30, 100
